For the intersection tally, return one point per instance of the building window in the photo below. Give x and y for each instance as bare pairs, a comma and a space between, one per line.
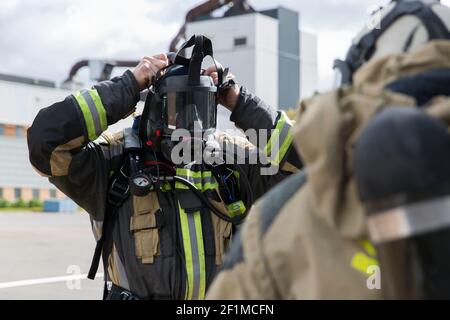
240, 41
17, 193
52, 193
2, 130
36, 194
19, 131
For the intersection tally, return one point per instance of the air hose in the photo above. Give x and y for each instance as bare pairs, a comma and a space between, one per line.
205, 200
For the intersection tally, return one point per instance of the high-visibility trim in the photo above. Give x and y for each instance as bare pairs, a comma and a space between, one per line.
187, 253
284, 148
369, 247
210, 186
194, 251
236, 208
86, 115
202, 180
282, 134
188, 173
165, 187
100, 108
362, 262
93, 111
201, 254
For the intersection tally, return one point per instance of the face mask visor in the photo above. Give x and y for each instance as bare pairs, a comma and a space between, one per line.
193, 110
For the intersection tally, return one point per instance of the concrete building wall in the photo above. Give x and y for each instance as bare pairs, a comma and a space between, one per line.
21, 102
308, 65
267, 62
247, 44
277, 61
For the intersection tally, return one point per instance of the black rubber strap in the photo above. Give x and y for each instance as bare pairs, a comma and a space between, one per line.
118, 193
202, 48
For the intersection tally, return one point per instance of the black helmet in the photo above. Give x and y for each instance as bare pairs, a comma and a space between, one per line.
402, 170
389, 35
181, 97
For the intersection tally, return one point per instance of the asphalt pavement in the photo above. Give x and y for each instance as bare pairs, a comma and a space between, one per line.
46, 256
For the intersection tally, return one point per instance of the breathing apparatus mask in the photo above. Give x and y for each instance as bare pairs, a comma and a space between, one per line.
182, 98
367, 44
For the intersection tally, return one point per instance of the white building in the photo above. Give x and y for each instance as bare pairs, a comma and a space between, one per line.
266, 51
22, 98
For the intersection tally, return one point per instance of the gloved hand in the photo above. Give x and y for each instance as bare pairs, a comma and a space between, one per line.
229, 96
147, 69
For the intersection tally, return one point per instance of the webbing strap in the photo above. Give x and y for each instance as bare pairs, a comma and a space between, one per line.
118, 193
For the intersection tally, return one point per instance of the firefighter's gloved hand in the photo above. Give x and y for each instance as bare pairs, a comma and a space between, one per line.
229, 97
147, 69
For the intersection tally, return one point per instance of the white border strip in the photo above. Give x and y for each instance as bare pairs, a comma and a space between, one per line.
31, 282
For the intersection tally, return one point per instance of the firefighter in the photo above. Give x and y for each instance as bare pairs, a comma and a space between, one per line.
162, 226
367, 218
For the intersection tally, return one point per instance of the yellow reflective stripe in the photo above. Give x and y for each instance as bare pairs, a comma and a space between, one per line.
210, 186
181, 185
236, 208
284, 148
361, 262
188, 173
368, 246
187, 253
284, 124
202, 180
89, 121
204, 187
276, 132
165, 187
201, 254
100, 108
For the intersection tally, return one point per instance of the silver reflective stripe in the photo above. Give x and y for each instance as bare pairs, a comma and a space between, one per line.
195, 256
94, 112
409, 220
207, 179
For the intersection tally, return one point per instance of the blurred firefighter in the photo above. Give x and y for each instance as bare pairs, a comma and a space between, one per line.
368, 217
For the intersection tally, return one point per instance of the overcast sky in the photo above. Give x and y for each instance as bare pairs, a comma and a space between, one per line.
44, 38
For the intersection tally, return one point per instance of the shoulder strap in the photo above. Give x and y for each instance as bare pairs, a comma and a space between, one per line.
117, 194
